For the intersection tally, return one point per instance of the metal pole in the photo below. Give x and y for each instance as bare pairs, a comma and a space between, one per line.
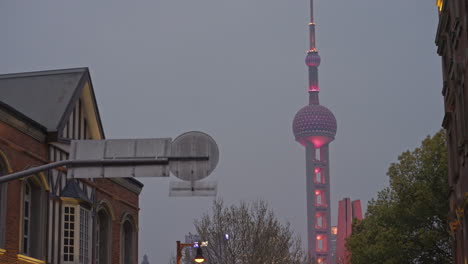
100, 162
179, 253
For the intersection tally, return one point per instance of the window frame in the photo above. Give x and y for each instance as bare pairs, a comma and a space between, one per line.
76, 237
37, 218
85, 236
127, 219
26, 228
109, 219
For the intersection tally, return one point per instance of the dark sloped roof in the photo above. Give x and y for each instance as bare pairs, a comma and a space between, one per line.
72, 190
42, 96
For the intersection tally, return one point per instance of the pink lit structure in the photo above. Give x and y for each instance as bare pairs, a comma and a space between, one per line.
314, 127
347, 211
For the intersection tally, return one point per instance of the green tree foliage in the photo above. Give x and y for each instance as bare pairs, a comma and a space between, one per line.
407, 223
255, 236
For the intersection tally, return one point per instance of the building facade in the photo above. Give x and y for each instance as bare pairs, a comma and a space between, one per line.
452, 46
314, 127
50, 217
347, 211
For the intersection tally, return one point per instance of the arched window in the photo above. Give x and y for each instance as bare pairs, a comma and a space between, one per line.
103, 237
34, 219
128, 241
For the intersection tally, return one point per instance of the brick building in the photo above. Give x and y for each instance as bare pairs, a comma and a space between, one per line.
452, 45
49, 217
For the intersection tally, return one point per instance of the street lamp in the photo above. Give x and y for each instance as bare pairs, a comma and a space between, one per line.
198, 258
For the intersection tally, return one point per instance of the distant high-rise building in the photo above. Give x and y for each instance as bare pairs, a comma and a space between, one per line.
347, 211
314, 127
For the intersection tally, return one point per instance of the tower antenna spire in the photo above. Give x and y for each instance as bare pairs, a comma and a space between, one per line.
313, 60
312, 27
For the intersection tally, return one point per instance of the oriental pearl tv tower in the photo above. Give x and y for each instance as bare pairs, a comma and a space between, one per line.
314, 126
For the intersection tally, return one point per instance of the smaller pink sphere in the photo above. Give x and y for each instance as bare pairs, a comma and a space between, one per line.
312, 59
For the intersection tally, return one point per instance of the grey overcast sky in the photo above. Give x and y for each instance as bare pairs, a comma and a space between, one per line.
235, 69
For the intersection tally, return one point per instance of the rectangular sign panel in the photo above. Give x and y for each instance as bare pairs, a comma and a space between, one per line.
120, 149
197, 188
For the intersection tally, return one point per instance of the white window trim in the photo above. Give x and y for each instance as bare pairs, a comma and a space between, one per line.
76, 234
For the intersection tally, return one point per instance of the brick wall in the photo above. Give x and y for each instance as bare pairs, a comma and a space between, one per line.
122, 201
21, 151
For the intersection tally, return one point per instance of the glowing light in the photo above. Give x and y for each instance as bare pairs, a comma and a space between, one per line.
311, 23
317, 141
319, 237
334, 230
317, 192
317, 170
440, 4
226, 236
312, 50
314, 88
199, 257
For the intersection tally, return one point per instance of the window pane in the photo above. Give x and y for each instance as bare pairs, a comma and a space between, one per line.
25, 245
26, 227
68, 233
84, 236
26, 209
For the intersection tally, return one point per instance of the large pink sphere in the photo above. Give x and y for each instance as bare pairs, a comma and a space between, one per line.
315, 124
